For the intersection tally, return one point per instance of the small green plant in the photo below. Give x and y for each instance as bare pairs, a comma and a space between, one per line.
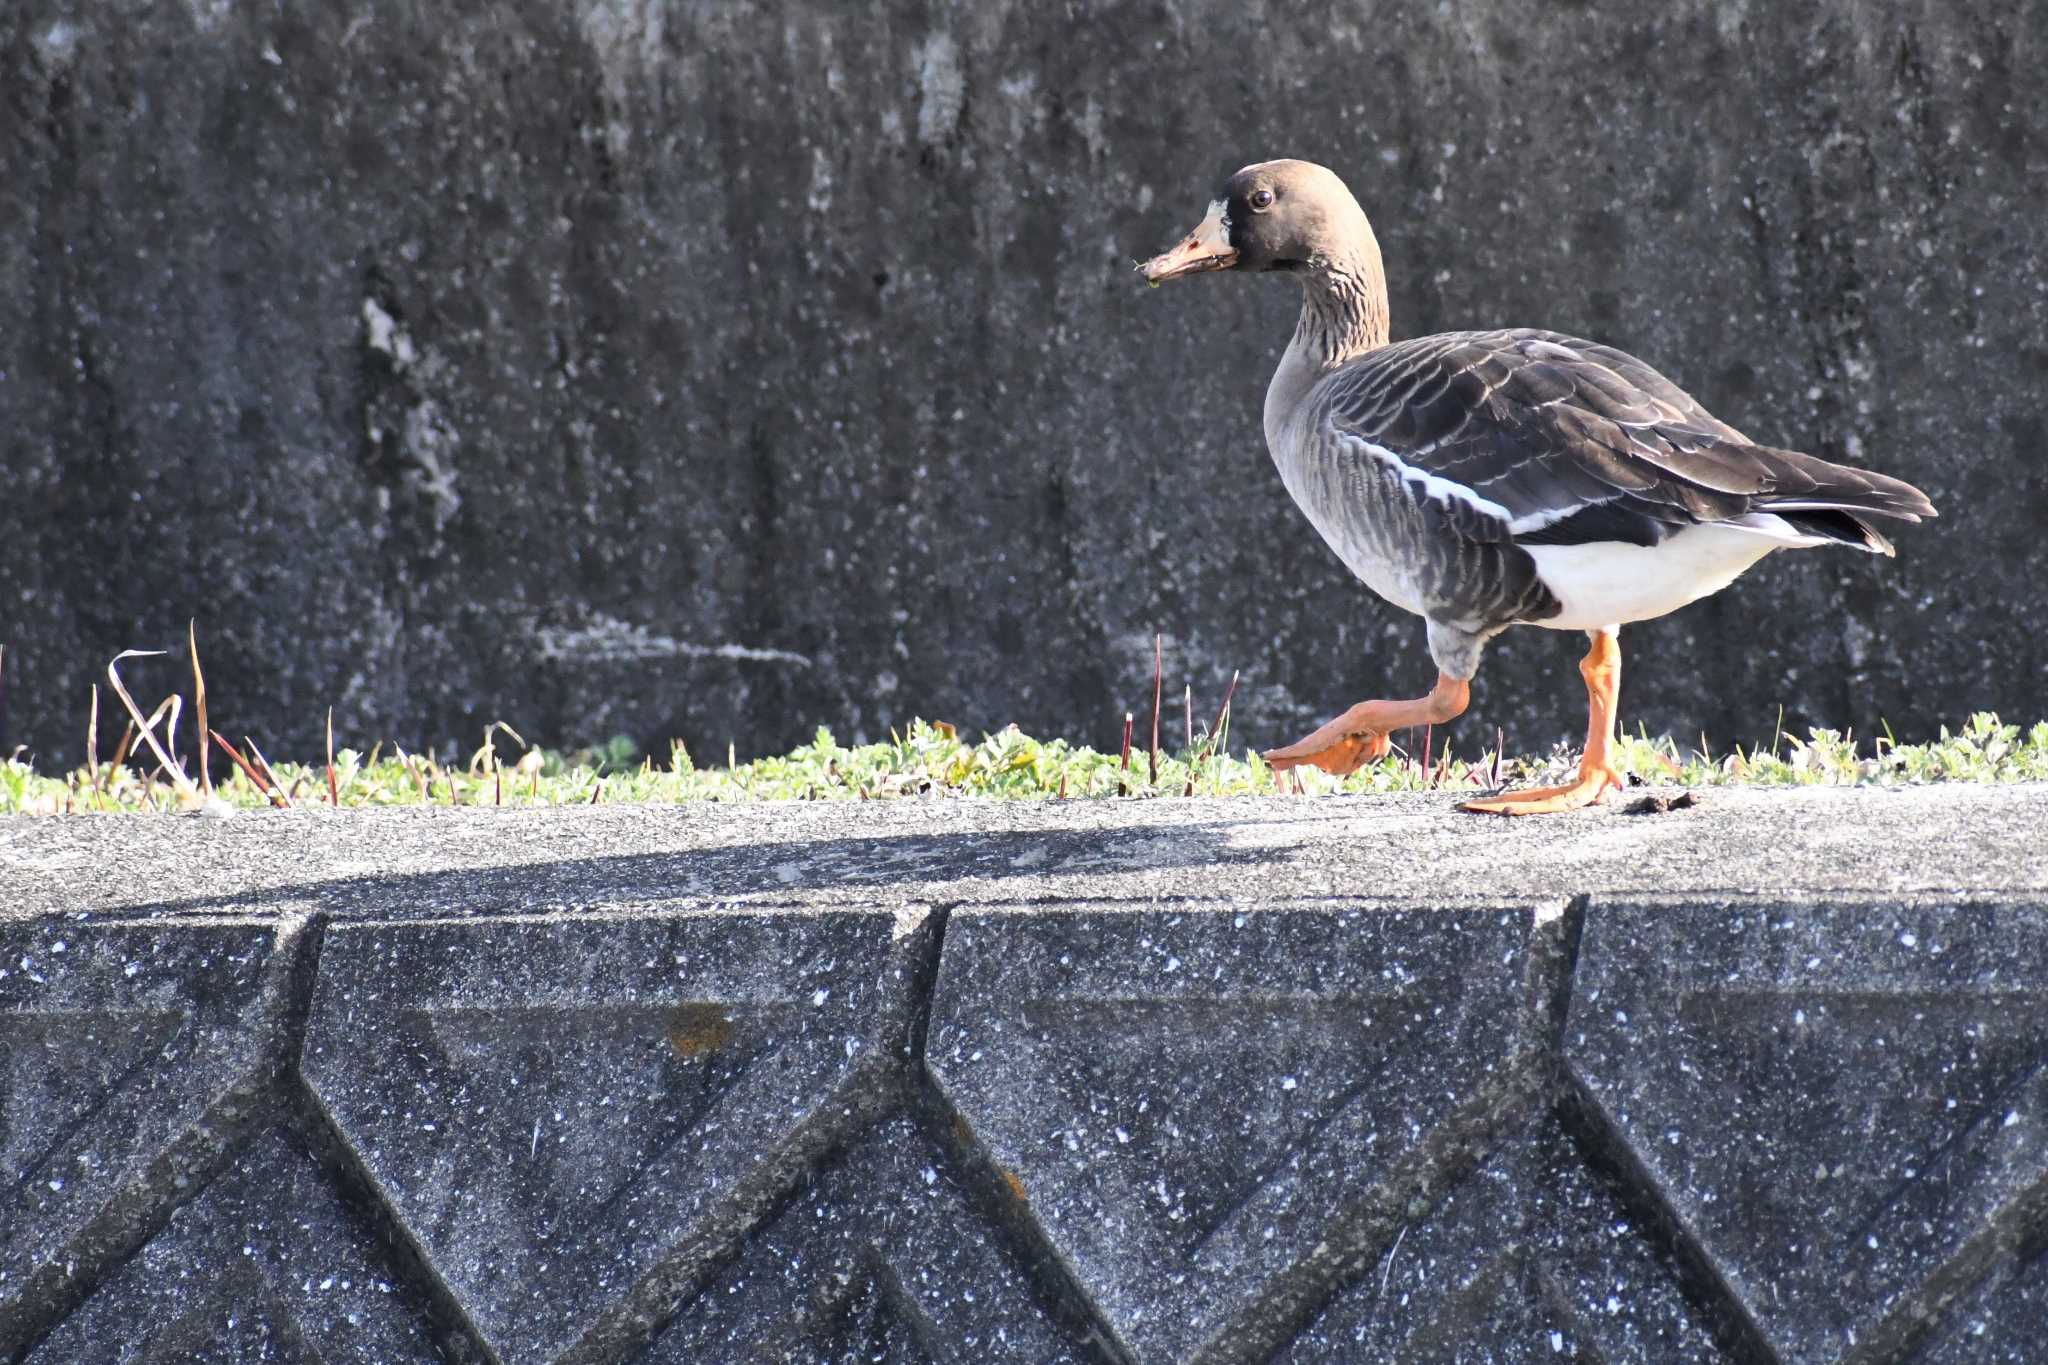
929, 759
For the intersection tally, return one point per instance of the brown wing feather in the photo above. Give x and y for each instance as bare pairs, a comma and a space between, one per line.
1581, 442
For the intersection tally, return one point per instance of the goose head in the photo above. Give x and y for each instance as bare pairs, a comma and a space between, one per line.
1276, 215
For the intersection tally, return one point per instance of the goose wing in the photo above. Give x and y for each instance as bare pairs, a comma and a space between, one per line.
1541, 438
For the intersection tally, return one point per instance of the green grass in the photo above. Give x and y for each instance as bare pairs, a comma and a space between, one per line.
148, 771
931, 760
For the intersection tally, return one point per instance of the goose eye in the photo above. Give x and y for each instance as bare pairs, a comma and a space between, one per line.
1262, 200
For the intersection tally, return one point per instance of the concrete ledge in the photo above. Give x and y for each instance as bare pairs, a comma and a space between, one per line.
1341, 1080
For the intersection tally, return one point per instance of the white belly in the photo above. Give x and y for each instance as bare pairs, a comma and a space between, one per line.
1610, 584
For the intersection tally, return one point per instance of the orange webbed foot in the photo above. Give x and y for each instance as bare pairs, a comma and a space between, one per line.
1359, 736
1598, 776
1333, 748
1593, 782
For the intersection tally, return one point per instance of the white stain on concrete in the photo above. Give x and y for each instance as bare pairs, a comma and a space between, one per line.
627, 37
58, 44
1091, 129
209, 15
429, 438
430, 441
942, 90
820, 196
606, 639
387, 334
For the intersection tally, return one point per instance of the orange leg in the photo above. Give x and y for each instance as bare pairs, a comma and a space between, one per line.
1360, 735
1601, 669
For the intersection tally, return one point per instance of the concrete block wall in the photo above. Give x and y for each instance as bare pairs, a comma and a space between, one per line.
891, 1092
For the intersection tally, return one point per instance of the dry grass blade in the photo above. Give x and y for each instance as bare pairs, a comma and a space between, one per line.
1222, 714
485, 759
92, 747
199, 704
1215, 734
1158, 678
333, 787
121, 749
268, 771
186, 791
1187, 721
1123, 764
256, 780
174, 706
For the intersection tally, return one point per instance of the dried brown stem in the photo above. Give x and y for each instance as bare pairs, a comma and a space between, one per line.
199, 704
1215, 734
256, 779
144, 727
1158, 678
92, 747
268, 771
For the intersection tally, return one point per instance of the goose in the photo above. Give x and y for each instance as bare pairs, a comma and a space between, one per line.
1488, 479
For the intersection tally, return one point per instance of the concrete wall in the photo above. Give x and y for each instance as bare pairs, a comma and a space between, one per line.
1097, 1082
717, 371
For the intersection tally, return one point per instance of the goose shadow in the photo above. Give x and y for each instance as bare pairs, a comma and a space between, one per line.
889, 868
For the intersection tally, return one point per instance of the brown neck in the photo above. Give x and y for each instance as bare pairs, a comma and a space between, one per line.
1343, 316
1343, 308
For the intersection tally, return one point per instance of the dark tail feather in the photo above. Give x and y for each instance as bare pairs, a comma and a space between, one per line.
1806, 483
1844, 528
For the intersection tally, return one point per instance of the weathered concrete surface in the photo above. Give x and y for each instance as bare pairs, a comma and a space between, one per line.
884, 1255
1846, 1106
1131, 1082
574, 1118
2001, 1323
132, 1060
1539, 1236
268, 1264
401, 863
512, 363
1218, 1118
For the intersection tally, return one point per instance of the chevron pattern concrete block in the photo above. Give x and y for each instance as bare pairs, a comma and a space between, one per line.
1216, 1118
573, 1117
888, 1253
268, 1264
1178, 1130
131, 1057
1533, 1258
2004, 1322
1843, 1108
